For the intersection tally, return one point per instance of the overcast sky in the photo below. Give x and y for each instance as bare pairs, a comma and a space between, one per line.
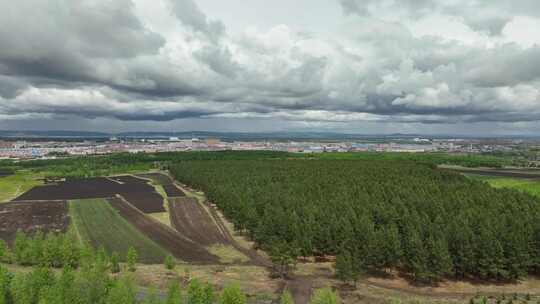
357, 66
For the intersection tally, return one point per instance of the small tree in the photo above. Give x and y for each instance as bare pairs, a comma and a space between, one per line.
4, 252
122, 292
131, 259
344, 267
232, 295
286, 298
115, 264
283, 256
5, 281
169, 262
325, 296
198, 293
174, 294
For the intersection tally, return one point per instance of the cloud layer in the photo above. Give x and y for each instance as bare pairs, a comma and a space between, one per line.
387, 62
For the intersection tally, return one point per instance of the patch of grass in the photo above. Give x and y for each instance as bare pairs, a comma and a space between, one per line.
526, 185
17, 184
99, 224
227, 254
162, 217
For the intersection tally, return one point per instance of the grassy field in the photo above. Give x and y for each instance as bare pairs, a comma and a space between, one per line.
526, 185
15, 185
97, 222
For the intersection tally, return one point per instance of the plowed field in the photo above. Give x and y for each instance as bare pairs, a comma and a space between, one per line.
168, 238
30, 217
192, 220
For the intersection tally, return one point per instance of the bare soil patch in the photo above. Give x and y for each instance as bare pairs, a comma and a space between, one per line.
157, 178
191, 219
173, 191
30, 217
168, 238
137, 191
147, 202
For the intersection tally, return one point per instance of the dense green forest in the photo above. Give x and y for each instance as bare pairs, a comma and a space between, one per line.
377, 215
101, 165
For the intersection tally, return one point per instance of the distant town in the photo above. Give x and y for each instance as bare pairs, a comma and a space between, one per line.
46, 148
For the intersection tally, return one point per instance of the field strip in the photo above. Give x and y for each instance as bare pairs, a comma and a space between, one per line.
100, 225
181, 247
255, 257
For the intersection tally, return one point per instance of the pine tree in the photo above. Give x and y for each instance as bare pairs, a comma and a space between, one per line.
286, 298
169, 262
174, 293
131, 259
232, 295
325, 296
344, 266
122, 292
5, 282
115, 264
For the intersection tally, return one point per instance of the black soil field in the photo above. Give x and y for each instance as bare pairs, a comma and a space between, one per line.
192, 220
168, 238
157, 178
173, 191
4, 172
137, 191
30, 217
147, 202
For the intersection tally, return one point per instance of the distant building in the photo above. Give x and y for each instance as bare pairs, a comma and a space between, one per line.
212, 141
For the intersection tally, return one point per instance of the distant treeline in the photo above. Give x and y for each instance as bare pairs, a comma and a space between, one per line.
377, 215
89, 166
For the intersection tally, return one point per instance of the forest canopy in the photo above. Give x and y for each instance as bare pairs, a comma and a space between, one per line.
431, 223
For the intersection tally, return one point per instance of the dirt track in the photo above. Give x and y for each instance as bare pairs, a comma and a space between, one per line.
30, 217
168, 238
301, 288
192, 220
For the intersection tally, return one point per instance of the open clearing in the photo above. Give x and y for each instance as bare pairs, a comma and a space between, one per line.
14, 185
168, 238
30, 217
99, 224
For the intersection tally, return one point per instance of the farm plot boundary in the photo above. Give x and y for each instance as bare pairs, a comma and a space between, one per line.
99, 224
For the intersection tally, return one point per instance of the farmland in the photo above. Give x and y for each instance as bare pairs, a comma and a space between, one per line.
99, 224
396, 219
29, 217
195, 222
137, 191
170, 239
13, 185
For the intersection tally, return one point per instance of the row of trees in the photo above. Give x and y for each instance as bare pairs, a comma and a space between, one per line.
54, 250
92, 283
376, 215
124, 162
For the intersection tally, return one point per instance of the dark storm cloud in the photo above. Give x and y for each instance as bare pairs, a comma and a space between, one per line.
116, 59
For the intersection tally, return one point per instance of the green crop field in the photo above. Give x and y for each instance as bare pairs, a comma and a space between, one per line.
529, 186
96, 222
14, 185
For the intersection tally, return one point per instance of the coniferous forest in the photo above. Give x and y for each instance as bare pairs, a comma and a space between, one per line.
377, 215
